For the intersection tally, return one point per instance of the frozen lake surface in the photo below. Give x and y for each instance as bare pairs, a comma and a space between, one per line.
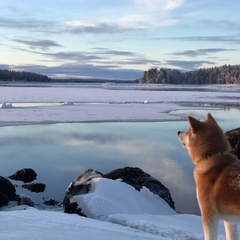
100, 103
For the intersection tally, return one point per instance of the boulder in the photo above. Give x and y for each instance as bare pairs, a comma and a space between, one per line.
25, 175
138, 179
26, 200
132, 176
233, 137
81, 185
51, 202
7, 192
35, 187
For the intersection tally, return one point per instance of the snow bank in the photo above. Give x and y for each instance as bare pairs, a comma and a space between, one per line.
178, 227
38, 225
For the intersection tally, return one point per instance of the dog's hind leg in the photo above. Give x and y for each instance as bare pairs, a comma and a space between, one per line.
231, 231
210, 227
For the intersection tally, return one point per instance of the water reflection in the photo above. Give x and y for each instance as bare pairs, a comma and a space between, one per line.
60, 152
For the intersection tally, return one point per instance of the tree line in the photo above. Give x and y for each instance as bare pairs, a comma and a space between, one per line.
226, 74
11, 75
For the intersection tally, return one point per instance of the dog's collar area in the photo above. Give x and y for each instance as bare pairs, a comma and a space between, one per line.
218, 154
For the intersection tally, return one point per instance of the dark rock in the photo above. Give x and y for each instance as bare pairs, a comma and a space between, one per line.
81, 185
25, 175
3, 200
51, 202
7, 192
233, 138
138, 178
35, 187
25, 200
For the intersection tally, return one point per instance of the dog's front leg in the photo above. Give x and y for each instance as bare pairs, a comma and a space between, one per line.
210, 227
231, 231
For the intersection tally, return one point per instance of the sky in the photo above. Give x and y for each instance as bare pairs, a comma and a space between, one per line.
117, 39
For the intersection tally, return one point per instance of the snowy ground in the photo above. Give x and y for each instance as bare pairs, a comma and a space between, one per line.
141, 215
29, 104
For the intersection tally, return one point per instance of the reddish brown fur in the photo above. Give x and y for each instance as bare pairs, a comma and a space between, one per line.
217, 175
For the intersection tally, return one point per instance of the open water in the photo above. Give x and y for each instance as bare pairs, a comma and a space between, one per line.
61, 152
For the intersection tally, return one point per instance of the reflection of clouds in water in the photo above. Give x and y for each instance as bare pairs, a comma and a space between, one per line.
23, 140
76, 169
120, 143
171, 171
77, 139
181, 184
143, 148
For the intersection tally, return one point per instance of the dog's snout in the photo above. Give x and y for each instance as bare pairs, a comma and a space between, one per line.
179, 132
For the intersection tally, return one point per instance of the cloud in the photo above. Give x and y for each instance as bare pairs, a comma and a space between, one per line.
81, 70
42, 44
95, 54
188, 65
228, 25
201, 52
107, 51
97, 27
26, 23
6, 66
158, 5
76, 27
101, 62
235, 39
73, 56
135, 15
104, 56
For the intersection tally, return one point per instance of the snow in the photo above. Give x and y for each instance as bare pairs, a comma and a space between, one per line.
143, 215
103, 202
123, 220
32, 104
36, 224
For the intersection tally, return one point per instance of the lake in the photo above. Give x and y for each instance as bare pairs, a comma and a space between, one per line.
60, 152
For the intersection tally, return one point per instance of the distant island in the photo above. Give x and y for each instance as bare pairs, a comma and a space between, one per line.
11, 75
226, 74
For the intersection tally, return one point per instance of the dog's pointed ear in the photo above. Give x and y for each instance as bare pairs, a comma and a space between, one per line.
194, 124
209, 118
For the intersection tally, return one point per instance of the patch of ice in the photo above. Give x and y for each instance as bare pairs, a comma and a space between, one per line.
6, 105
69, 103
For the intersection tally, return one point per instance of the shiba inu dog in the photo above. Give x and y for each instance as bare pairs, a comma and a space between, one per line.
217, 176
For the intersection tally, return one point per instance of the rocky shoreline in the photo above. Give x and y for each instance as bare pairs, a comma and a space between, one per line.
82, 185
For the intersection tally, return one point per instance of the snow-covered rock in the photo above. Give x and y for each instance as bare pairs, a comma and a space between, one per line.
97, 197
137, 178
